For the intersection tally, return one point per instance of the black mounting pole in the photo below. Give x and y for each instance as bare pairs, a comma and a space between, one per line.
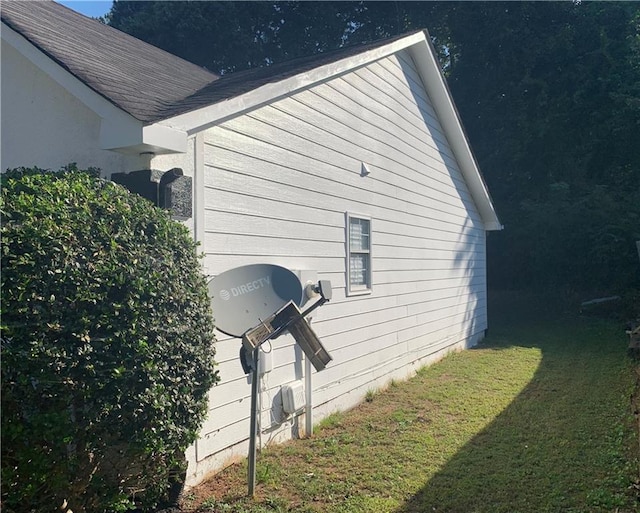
254, 423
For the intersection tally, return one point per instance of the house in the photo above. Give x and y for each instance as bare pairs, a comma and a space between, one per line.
350, 166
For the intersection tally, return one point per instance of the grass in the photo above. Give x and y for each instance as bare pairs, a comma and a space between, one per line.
535, 419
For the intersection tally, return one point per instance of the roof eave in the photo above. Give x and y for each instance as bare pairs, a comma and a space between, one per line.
136, 138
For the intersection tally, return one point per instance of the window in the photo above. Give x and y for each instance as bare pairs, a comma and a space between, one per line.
358, 254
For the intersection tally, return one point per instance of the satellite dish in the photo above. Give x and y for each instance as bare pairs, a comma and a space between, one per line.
242, 297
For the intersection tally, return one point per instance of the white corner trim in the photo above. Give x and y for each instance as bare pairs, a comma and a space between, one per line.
204, 118
198, 187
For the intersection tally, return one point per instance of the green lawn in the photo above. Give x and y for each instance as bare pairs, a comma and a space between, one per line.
535, 419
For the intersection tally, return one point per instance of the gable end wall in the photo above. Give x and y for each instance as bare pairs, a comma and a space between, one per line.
278, 182
44, 125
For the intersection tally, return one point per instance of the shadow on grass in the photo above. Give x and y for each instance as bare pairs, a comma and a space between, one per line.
563, 444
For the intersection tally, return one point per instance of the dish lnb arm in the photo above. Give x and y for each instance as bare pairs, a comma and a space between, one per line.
323, 288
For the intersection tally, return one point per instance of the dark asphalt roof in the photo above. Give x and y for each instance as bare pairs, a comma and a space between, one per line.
137, 77
148, 83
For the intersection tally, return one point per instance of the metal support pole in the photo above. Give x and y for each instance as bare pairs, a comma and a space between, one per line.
254, 423
308, 393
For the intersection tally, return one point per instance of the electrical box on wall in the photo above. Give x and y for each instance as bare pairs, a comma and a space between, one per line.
293, 397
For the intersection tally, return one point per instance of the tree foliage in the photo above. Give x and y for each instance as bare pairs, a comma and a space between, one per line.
552, 110
107, 351
549, 93
231, 36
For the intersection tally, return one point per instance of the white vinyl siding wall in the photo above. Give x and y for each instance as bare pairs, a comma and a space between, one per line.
279, 180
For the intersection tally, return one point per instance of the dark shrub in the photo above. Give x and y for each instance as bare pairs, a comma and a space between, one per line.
107, 344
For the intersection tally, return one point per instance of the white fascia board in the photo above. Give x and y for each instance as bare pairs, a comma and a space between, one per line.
119, 131
206, 117
425, 59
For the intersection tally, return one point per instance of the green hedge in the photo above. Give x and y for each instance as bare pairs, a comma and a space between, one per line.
107, 344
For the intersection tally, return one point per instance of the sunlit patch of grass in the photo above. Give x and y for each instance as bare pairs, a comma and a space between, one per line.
536, 419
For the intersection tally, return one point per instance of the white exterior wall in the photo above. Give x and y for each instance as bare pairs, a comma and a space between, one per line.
45, 126
278, 181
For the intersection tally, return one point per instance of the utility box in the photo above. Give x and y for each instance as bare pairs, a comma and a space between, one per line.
175, 196
293, 397
170, 190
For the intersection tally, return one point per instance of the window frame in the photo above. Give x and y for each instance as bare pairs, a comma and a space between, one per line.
367, 287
